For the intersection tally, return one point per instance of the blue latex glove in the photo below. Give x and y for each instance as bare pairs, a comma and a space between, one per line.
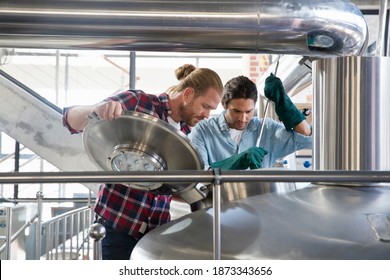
251, 158
285, 109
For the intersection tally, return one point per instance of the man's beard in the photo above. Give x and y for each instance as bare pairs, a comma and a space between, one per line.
187, 114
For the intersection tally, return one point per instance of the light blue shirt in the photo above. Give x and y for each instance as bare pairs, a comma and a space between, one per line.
212, 139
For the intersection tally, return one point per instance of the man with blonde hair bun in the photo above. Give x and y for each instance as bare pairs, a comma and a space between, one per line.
128, 214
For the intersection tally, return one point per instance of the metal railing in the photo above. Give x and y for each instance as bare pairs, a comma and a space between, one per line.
66, 235
196, 176
217, 177
62, 237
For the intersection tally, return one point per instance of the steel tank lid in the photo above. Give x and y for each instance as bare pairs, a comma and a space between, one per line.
318, 222
140, 142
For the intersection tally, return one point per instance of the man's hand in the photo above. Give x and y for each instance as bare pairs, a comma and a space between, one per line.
285, 109
108, 110
251, 158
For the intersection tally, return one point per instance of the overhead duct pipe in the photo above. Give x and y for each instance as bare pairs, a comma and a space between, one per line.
311, 28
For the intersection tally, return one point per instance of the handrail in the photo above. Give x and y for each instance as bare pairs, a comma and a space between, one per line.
217, 177
64, 215
30, 91
194, 176
64, 199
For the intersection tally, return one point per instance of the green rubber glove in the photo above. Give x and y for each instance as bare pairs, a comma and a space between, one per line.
285, 109
252, 158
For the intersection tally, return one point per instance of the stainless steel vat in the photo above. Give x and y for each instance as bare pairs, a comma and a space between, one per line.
351, 113
231, 191
319, 222
323, 221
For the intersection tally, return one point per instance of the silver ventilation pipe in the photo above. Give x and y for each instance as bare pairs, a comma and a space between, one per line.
310, 27
294, 71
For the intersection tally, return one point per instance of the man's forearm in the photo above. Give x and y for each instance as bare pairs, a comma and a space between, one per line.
303, 128
78, 116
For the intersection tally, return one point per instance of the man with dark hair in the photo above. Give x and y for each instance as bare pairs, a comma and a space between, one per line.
228, 141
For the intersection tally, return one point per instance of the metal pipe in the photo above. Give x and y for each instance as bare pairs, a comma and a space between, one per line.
48, 232
266, 106
38, 233
313, 27
194, 176
294, 71
217, 215
64, 236
380, 40
16, 167
71, 232
132, 69
56, 239
97, 232
83, 233
8, 233
78, 232
26, 199
388, 36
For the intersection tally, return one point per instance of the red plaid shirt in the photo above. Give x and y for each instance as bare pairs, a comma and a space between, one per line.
130, 210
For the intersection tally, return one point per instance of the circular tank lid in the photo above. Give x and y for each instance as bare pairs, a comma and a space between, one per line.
140, 142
